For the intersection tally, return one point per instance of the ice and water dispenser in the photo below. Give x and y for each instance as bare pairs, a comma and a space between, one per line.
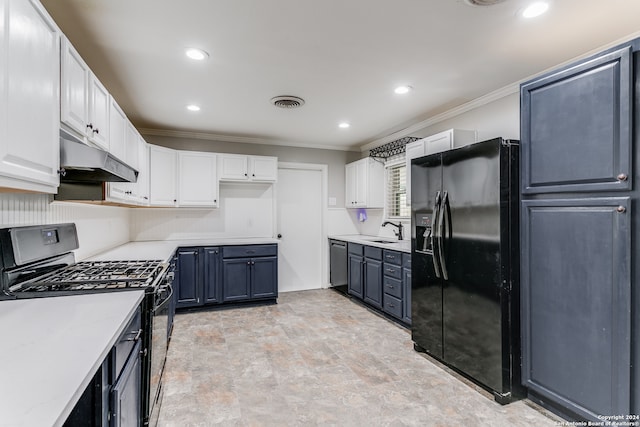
423, 232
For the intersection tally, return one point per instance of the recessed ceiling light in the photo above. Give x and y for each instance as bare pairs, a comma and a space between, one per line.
535, 9
196, 54
344, 125
193, 107
401, 90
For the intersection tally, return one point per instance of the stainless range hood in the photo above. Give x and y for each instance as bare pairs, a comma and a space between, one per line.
82, 163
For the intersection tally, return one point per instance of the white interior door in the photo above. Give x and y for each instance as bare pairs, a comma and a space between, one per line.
300, 223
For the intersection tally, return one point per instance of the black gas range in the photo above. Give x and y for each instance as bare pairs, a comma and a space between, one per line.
38, 262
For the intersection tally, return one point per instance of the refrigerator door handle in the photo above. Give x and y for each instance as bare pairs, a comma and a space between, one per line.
434, 235
444, 219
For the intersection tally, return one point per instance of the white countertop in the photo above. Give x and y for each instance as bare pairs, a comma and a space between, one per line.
52, 348
163, 249
394, 245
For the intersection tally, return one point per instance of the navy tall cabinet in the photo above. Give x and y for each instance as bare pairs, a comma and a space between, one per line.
579, 235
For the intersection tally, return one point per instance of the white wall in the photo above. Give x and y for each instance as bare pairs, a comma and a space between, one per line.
341, 222
99, 227
246, 210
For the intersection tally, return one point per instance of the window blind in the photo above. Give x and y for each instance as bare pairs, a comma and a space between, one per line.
397, 191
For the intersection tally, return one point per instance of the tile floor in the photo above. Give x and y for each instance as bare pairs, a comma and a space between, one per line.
317, 358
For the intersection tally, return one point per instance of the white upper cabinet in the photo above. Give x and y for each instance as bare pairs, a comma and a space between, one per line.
98, 127
236, 167
84, 100
142, 184
74, 88
233, 167
117, 130
364, 184
262, 168
29, 97
197, 179
131, 141
437, 143
162, 176
132, 193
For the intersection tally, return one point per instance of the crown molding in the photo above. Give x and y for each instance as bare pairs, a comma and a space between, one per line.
239, 139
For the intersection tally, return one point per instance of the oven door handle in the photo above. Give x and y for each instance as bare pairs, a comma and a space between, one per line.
137, 337
165, 300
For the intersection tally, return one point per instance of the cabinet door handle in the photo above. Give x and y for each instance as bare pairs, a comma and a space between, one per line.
621, 209
253, 174
622, 177
96, 130
90, 126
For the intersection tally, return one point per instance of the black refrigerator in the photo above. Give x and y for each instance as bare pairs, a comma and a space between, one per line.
465, 261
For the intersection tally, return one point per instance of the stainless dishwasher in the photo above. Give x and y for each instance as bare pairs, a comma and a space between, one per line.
338, 263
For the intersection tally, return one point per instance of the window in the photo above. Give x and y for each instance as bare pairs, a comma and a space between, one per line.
396, 203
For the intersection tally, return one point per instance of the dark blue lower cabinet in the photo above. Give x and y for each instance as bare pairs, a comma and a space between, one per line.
249, 272
249, 278
406, 301
373, 282
197, 276
264, 283
125, 401
187, 286
381, 279
211, 275
236, 283
406, 288
355, 275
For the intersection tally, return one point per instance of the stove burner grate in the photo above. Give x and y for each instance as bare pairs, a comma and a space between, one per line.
95, 275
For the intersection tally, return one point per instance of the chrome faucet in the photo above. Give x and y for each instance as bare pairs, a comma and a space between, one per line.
398, 225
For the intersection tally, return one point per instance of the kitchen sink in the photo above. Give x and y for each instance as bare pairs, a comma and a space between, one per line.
383, 241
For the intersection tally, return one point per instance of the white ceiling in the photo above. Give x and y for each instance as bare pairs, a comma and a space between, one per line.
344, 57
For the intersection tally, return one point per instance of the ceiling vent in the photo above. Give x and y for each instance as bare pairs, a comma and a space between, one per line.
483, 2
286, 101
